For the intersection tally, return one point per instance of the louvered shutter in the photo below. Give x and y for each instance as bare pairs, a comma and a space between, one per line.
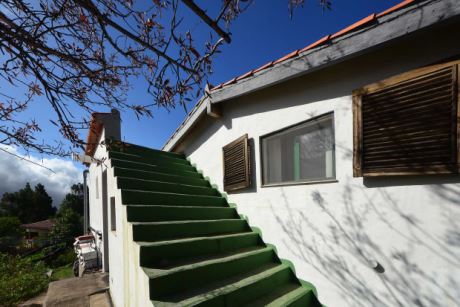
408, 124
236, 161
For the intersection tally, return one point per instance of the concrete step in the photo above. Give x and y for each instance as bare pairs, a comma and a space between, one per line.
149, 175
152, 213
183, 170
162, 231
169, 253
140, 197
164, 283
157, 186
100, 300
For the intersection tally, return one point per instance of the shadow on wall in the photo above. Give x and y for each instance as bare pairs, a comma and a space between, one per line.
437, 180
404, 283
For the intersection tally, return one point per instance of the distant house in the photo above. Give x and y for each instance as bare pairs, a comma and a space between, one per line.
37, 234
342, 157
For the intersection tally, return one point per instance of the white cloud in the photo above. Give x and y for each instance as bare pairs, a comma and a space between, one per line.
15, 173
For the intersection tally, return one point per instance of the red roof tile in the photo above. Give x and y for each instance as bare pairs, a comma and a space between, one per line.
395, 8
230, 82
248, 74
356, 25
218, 87
263, 67
286, 57
317, 43
95, 130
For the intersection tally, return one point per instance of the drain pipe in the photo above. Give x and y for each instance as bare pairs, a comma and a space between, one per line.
85, 202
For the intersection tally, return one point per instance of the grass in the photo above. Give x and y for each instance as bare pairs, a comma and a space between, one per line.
62, 272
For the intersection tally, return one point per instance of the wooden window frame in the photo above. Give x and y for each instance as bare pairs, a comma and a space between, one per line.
358, 170
247, 161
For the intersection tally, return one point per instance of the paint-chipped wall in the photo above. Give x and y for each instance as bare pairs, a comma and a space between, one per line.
331, 231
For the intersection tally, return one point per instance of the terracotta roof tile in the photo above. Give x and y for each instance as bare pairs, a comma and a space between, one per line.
95, 130
395, 8
263, 67
356, 25
230, 82
317, 43
218, 87
248, 74
286, 57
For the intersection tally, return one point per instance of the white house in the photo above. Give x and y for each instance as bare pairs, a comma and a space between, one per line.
343, 155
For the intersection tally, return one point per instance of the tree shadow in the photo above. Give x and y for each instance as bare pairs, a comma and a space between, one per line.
345, 248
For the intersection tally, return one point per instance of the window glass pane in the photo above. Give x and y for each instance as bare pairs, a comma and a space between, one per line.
301, 153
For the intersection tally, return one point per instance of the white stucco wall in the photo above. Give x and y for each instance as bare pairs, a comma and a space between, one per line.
330, 231
128, 282
95, 197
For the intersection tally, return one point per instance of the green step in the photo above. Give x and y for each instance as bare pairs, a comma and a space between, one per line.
161, 231
150, 185
149, 213
236, 291
142, 151
178, 169
161, 198
169, 282
167, 253
194, 248
278, 296
299, 297
149, 175
157, 160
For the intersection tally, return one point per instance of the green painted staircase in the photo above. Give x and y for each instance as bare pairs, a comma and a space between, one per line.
194, 247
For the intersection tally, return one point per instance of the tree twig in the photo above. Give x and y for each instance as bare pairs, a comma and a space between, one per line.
208, 20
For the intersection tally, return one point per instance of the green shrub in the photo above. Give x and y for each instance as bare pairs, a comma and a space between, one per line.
20, 279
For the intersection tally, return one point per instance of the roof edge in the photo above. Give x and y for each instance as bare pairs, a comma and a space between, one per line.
394, 23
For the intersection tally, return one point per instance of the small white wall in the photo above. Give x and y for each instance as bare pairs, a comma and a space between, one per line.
128, 282
330, 231
95, 197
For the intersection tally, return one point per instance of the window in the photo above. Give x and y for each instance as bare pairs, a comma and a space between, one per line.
97, 187
236, 162
301, 153
408, 124
113, 215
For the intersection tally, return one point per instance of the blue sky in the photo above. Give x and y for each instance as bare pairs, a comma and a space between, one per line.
263, 33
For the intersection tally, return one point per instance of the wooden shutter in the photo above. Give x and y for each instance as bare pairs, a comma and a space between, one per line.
236, 161
408, 124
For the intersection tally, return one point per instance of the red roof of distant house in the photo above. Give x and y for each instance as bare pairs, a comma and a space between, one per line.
40, 225
359, 24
